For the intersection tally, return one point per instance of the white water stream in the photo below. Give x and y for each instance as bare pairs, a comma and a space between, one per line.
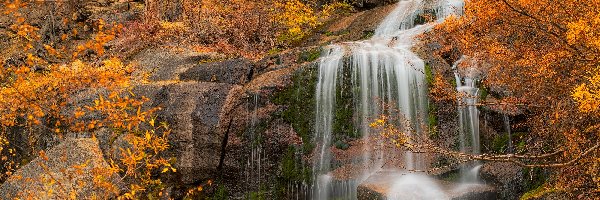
383, 69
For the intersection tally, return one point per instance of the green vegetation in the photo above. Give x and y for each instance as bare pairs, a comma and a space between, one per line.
309, 55
257, 195
300, 104
220, 193
367, 34
343, 123
291, 170
535, 183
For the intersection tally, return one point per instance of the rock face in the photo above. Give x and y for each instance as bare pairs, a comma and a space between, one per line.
163, 64
368, 4
507, 177
405, 185
192, 110
235, 71
70, 168
223, 119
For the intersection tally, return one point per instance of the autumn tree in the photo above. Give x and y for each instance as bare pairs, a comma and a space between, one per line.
541, 57
250, 28
42, 81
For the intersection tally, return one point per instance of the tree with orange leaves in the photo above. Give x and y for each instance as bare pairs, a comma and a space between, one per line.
543, 57
39, 87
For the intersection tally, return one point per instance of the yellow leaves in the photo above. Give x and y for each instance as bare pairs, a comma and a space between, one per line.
151, 122
166, 169
148, 136
588, 95
300, 19
27, 31
377, 123
22, 70
174, 27
585, 31
330, 9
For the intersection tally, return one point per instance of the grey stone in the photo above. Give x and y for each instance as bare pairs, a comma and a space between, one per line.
192, 110
163, 64
506, 176
57, 178
234, 71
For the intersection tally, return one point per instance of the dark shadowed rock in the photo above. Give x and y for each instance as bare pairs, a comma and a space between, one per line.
369, 4
235, 71
506, 176
57, 177
192, 110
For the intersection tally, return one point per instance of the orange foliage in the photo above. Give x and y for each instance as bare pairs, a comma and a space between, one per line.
241, 27
42, 90
539, 52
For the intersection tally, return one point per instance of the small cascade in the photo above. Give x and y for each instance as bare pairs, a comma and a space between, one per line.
254, 168
509, 149
468, 94
329, 67
472, 175
449, 7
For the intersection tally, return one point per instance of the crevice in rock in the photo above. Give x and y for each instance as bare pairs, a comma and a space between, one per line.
224, 147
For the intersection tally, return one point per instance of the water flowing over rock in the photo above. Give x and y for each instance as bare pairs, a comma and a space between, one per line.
392, 184
466, 85
382, 71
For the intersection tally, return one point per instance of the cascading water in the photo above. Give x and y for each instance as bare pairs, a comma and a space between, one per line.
509, 148
383, 69
325, 94
468, 117
254, 167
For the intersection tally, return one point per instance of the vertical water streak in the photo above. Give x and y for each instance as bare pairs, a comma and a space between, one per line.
509, 149
331, 62
449, 7
253, 172
468, 94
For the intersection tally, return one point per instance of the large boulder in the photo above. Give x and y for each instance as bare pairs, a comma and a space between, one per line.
67, 170
506, 176
192, 110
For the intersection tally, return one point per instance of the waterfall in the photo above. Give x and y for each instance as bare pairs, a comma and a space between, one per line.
468, 116
509, 149
254, 167
449, 7
383, 69
329, 67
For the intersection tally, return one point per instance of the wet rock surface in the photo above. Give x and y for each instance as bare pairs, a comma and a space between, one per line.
506, 176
